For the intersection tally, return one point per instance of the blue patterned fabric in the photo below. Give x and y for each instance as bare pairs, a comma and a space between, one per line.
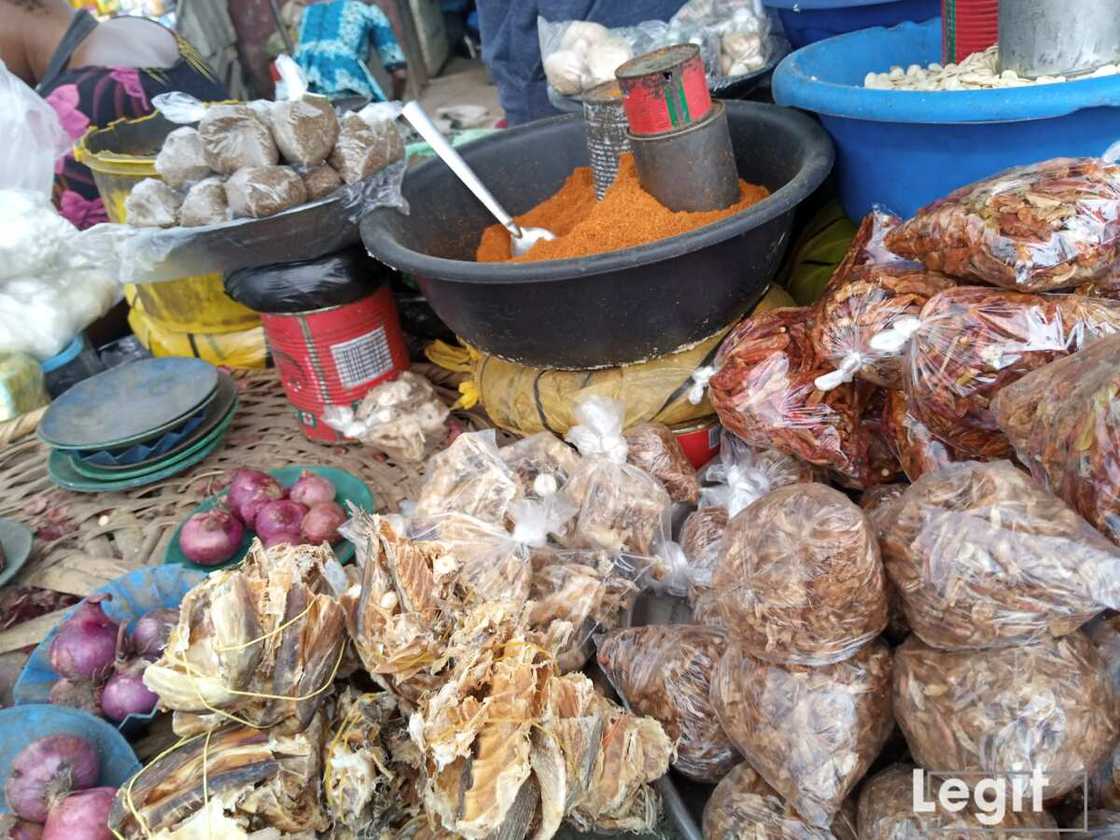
334, 45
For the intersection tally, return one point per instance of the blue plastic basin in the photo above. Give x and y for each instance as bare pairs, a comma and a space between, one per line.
809, 21
903, 149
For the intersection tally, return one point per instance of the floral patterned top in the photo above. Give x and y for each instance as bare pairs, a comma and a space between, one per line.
96, 96
334, 40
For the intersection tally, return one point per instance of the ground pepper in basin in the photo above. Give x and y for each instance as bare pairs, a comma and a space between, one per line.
626, 217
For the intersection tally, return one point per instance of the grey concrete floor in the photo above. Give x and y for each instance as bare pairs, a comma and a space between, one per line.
462, 81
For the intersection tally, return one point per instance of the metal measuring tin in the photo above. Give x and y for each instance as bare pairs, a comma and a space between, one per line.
690, 170
665, 90
606, 133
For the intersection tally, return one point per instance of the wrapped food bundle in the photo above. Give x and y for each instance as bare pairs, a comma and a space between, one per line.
701, 540
469, 477
764, 391
886, 812
1045, 226
251, 635
305, 129
665, 672
181, 159
972, 342
621, 507
915, 446
491, 565
812, 733
1047, 706
229, 783
1064, 422
365, 148
743, 806
880, 506
541, 463
744, 473
654, 448
984, 557
234, 137
205, 204
800, 580
259, 191
320, 181
883, 466
152, 203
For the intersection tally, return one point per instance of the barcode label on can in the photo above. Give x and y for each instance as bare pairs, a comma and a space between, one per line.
362, 359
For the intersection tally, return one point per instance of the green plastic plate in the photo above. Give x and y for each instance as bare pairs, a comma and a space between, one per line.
120, 474
348, 487
15, 539
61, 470
129, 403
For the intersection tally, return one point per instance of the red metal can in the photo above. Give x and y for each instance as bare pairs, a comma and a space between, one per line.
969, 26
664, 90
334, 356
699, 439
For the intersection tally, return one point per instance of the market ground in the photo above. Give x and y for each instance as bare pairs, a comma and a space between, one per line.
463, 81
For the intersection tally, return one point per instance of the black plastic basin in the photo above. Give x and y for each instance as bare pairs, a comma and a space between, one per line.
609, 309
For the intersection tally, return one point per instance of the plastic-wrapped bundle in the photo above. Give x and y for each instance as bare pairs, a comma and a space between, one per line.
665, 672
883, 466
320, 181
259, 191
541, 463
305, 129
880, 506
469, 477
985, 557
744, 807
917, 450
234, 137
886, 812
800, 580
205, 204
152, 203
972, 342
811, 733
1064, 422
764, 391
654, 448
1049, 225
403, 417
181, 159
365, 148
701, 540
1047, 706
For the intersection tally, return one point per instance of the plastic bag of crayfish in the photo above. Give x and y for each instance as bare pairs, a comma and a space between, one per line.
764, 390
972, 342
911, 441
1036, 228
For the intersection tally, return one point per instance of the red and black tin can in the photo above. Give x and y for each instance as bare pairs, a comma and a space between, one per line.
664, 90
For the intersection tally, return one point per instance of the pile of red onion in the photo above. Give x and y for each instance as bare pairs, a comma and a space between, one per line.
52, 795
101, 665
306, 513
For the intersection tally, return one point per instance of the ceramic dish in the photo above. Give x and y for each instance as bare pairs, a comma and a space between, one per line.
15, 539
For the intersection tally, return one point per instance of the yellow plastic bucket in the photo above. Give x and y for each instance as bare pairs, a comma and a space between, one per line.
120, 155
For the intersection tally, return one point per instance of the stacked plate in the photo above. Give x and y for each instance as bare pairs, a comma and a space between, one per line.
137, 424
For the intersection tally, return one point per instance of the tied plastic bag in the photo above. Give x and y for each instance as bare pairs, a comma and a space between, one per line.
1036, 228
887, 812
469, 477
911, 441
542, 464
832, 722
974, 341
665, 672
31, 137
654, 448
1064, 422
304, 126
621, 507
800, 580
404, 418
492, 565
764, 390
1047, 707
984, 557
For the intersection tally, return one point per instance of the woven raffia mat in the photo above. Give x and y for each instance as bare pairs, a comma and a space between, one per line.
84, 540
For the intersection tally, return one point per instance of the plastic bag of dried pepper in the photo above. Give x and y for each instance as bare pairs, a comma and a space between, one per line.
764, 391
1064, 422
654, 448
974, 341
911, 441
1046, 226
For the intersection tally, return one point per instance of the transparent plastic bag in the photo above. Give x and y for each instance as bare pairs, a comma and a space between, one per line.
764, 391
812, 733
654, 448
985, 557
1047, 706
800, 580
665, 672
304, 126
469, 477
880, 505
578, 55
621, 507
1041, 227
886, 812
736, 37
974, 341
911, 441
493, 566
1064, 422
31, 137
181, 159
234, 137
255, 192
404, 418
542, 463
701, 540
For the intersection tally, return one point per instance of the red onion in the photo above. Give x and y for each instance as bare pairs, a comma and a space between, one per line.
211, 538
86, 643
125, 693
281, 517
152, 630
248, 485
311, 489
47, 770
12, 828
320, 524
77, 694
82, 816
